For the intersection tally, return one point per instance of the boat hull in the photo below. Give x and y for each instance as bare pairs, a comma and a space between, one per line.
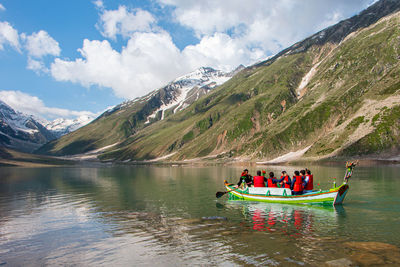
334, 196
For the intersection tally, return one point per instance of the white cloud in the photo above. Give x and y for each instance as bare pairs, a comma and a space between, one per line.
146, 63
8, 35
40, 44
2, 8
37, 66
33, 105
220, 51
125, 22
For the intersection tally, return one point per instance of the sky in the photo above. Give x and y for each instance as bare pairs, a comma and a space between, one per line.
68, 58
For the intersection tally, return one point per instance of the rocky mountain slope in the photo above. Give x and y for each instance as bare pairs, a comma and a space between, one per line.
20, 131
334, 94
124, 120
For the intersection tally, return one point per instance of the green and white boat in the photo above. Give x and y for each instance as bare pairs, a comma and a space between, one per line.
333, 196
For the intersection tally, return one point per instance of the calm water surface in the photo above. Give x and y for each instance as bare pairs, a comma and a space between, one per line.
169, 216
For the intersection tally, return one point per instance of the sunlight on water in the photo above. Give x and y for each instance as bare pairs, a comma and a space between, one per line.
168, 216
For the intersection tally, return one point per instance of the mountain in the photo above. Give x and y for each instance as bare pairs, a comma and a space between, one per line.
126, 119
175, 96
20, 131
334, 94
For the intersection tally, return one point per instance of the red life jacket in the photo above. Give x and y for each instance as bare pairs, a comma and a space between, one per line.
309, 185
270, 183
258, 181
285, 181
298, 184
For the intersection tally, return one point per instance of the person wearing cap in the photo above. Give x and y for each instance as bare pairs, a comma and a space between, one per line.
246, 178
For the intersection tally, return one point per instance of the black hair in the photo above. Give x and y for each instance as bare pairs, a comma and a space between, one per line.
259, 173
246, 170
308, 171
284, 172
271, 174
296, 173
303, 172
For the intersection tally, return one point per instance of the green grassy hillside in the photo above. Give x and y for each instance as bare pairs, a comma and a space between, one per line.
350, 106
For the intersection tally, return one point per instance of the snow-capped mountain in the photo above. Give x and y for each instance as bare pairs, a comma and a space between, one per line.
188, 88
20, 131
60, 127
178, 94
26, 133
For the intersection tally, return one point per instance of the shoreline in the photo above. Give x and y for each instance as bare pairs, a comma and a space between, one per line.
19, 159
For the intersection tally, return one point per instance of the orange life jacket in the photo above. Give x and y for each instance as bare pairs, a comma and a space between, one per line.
309, 185
285, 181
298, 184
270, 183
258, 181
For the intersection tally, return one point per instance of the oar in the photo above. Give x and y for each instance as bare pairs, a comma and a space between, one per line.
220, 194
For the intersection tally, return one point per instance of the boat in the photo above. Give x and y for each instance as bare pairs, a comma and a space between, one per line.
333, 196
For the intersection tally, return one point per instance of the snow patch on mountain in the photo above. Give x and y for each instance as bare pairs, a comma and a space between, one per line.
306, 79
192, 85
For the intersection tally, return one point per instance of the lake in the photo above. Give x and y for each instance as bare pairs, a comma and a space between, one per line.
169, 216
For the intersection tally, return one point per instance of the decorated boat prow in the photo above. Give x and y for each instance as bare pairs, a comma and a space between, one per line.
333, 196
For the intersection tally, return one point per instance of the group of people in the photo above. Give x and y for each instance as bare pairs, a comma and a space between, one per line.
301, 182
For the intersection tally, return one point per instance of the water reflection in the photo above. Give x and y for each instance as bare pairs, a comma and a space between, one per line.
292, 220
169, 216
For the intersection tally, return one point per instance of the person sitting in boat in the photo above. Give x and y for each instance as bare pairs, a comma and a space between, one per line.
272, 181
303, 176
246, 178
285, 180
308, 182
297, 184
259, 180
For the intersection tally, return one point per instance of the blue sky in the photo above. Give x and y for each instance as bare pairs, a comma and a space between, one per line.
67, 58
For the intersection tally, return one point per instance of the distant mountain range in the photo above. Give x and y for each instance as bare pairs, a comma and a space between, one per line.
26, 133
60, 127
334, 94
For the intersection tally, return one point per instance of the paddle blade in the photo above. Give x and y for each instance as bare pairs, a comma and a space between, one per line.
220, 194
